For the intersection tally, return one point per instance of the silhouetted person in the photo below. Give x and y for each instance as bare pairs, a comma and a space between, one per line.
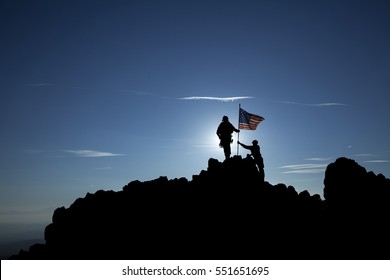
255, 153
224, 132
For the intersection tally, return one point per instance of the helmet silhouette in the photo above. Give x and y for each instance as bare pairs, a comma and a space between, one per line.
225, 118
254, 142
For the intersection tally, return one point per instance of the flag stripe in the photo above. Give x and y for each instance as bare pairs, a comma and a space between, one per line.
248, 121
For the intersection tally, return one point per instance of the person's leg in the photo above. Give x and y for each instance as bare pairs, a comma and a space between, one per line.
262, 175
227, 151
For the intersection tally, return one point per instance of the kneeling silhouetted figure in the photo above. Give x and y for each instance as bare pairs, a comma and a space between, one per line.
255, 153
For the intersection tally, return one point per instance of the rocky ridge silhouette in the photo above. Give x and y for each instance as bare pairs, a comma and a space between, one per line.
226, 212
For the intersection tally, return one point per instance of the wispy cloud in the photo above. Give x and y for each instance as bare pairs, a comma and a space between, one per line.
318, 159
305, 171
364, 155
222, 99
307, 168
103, 168
328, 104
91, 153
372, 158
204, 146
378, 161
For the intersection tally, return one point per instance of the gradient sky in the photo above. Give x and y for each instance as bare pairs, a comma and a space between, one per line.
96, 94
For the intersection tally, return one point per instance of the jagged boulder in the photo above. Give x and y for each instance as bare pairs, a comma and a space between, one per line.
348, 187
357, 209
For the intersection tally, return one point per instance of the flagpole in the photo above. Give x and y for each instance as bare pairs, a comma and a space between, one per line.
238, 137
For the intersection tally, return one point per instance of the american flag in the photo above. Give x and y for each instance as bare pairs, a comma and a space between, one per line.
248, 121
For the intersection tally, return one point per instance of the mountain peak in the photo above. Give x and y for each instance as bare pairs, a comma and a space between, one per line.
225, 212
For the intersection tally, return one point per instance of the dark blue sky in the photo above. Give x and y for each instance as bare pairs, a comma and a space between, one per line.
95, 94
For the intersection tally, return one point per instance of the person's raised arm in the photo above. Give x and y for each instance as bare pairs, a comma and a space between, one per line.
243, 145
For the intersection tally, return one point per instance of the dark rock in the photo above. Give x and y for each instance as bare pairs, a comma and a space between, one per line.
226, 212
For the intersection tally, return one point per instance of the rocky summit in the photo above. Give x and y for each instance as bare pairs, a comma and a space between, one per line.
226, 212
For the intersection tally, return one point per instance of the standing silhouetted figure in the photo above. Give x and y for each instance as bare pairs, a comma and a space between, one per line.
224, 132
255, 153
